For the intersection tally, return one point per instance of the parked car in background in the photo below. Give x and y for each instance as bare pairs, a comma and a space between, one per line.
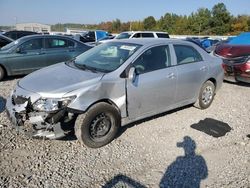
18, 34
139, 34
114, 84
92, 36
236, 58
34, 52
4, 40
142, 34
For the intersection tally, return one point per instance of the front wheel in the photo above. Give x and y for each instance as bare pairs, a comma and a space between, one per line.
206, 95
98, 126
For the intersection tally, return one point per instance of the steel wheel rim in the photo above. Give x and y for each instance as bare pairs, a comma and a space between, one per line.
207, 95
100, 126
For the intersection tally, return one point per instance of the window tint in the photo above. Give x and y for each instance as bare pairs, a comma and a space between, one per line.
137, 35
162, 35
186, 54
33, 44
147, 35
56, 43
153, 59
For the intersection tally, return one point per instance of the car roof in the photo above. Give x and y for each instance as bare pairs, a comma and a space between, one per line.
45, 36
150, 41
145, 32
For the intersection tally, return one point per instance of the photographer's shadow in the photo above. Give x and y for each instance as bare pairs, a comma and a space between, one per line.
187, 170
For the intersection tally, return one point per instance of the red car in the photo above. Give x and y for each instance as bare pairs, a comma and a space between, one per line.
236, 61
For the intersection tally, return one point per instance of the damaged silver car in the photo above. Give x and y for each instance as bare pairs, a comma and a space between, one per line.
111, 85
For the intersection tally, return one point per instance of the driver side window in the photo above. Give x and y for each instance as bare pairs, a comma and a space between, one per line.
33, 44
153, 59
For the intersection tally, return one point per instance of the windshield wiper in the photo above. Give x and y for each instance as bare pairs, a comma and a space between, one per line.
85, 67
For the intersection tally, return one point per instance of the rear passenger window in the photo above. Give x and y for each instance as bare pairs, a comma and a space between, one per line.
147, 35
186, 54
56, 43
162, 35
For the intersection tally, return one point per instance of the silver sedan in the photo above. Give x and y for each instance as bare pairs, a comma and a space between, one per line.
114, 84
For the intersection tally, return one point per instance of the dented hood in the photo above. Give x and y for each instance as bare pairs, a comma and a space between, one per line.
59, 79
232, 50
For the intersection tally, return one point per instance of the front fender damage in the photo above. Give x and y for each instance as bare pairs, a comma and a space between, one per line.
50, 125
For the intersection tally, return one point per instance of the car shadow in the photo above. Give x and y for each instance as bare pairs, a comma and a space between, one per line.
2, 104
9, 78
130, 125
237, 83
212, 127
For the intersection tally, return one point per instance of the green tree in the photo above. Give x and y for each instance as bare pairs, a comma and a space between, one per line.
220, 20
116, 26
149, 23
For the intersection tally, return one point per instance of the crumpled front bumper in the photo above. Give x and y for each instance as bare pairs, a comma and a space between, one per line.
31, 123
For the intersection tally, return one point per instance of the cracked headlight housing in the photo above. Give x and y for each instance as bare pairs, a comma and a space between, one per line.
52, 104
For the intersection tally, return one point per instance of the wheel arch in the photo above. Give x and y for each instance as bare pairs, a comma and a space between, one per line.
108, 101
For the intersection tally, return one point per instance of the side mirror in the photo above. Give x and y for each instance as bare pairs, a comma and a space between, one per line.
131, 74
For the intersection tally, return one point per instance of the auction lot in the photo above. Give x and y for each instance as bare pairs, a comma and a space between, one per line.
146, 154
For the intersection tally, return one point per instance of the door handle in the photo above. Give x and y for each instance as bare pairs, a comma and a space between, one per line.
171, 75
204, 68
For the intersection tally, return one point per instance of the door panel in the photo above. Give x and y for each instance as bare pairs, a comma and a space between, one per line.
191, 72
154, 86
30, 57
150, 92
190, 78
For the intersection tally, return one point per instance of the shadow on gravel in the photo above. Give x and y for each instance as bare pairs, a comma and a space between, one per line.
9, 78
2, 104
238, 83
212, 127
130, 125
187, 170
121, 181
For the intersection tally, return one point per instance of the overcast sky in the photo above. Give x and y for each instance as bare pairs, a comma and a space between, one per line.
96, 11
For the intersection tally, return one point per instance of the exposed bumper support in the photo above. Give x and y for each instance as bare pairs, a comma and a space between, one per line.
35, 124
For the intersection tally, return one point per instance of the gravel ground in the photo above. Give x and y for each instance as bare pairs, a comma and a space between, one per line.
162, 151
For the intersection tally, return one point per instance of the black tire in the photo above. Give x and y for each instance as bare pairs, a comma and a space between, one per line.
206, 95
101, 117
2, 73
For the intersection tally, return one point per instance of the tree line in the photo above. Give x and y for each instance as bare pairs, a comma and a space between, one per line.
217, 21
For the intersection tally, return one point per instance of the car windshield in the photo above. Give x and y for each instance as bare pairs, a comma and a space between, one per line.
10, 45
106, 57
123, 36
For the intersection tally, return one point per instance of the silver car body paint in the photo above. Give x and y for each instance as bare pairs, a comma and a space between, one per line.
149, 94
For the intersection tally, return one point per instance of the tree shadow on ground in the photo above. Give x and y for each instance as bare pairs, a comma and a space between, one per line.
212, 127
187, 170
2, 104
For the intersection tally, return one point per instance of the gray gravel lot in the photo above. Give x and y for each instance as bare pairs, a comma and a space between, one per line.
160, 152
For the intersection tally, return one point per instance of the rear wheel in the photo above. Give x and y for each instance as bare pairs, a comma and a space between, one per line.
206, 95
98, 126
2, 73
